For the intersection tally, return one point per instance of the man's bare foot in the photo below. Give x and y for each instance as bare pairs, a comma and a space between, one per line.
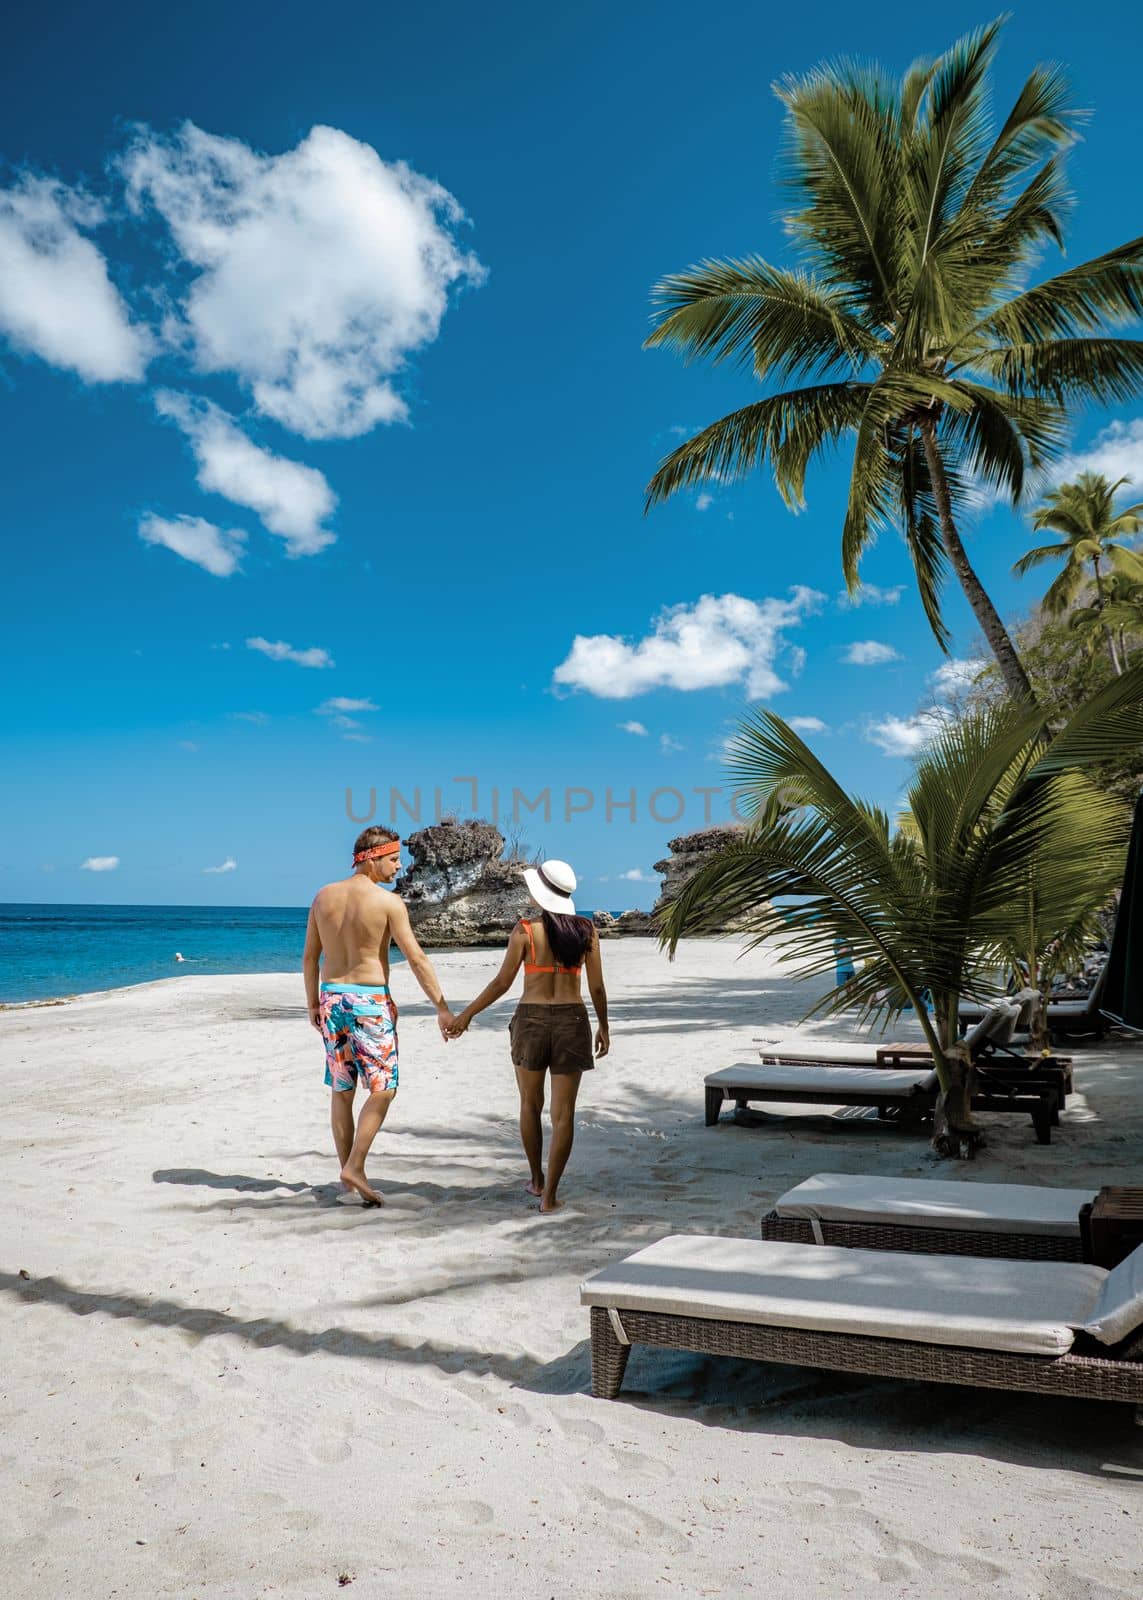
553, 1204
358, 1182
532, 1187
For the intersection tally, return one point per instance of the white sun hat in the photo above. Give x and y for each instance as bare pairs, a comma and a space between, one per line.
552, 885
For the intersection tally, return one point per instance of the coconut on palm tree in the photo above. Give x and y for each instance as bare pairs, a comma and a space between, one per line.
1091, 547
1006, 853
907, 324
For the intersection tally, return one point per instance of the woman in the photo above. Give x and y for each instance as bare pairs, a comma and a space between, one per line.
550, 1031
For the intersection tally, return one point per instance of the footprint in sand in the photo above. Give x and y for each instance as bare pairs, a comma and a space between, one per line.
463, 1516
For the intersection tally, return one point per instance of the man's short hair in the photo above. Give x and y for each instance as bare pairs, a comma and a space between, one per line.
372, 837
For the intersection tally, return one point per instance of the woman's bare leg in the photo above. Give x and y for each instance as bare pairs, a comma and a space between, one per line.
531, 1086
565, 1088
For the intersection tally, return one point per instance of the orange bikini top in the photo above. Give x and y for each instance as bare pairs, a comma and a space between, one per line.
530, 966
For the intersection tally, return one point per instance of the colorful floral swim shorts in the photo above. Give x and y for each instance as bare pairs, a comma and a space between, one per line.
359, 1027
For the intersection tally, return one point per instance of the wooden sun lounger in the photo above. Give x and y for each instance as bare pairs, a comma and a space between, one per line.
906, 1098
933, 1216
1088, 1369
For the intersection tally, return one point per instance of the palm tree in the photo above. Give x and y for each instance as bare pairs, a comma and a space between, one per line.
1084, 514
1120, 610
1005, 854
908, 324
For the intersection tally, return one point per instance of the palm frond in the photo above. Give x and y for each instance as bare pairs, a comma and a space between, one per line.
1105, 370
758, 315
1107, 289
788, 429
1105, 727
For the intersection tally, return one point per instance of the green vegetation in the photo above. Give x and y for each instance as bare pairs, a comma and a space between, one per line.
908, 324
1083, 514
1005, 854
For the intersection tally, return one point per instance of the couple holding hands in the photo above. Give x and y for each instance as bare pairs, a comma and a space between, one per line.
346, 968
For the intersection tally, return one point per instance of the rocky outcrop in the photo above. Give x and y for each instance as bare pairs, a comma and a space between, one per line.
459, 890
689, 852
625, 925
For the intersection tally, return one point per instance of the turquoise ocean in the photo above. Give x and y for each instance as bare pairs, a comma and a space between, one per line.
48, 951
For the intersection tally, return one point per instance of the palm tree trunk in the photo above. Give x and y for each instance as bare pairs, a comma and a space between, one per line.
1100, 603
955, 1135
1015, 678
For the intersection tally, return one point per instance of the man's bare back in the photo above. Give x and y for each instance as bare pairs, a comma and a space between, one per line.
354, 925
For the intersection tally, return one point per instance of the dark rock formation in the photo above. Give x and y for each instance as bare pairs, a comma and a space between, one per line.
689, 852
459, 891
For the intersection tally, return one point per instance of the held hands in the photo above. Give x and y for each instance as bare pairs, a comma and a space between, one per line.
459, 1025
445, 1021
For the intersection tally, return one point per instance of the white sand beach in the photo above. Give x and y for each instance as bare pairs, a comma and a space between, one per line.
219, 1382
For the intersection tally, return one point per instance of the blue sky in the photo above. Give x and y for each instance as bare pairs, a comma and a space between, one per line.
409, 445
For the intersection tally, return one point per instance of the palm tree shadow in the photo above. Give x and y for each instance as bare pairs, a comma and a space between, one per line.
568, 1374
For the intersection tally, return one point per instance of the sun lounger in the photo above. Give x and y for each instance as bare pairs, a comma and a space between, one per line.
1001, 1069
1050, 1327
996, 1027
931, 1216
905, 1096
1083, 1017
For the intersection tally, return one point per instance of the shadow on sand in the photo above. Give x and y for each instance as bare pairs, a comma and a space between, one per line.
877, 1414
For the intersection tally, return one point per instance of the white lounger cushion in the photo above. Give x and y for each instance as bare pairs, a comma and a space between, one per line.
1119, 1309
888, 1082
841, 1055
1031, 1307
936, 1203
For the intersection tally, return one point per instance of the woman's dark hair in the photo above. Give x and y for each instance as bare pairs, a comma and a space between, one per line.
569, 937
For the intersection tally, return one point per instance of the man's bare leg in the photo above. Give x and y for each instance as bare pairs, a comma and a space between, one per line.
341, 1122
565, 1088
531, 1086
371, 1117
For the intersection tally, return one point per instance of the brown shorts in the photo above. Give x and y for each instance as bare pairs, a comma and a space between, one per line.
554, 1037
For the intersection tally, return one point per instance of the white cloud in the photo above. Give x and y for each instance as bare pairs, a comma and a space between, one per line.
871, 594
869, 653
341, 703
807, 724
188, 744
279, 650
100, 864
955, 676
719, 640
213, 548
1116, 452
259, 718
636, 875
229, 865
633, 727
57, 300
704, 501
336, 711
319, 271
905, 736
292, 500
668, 743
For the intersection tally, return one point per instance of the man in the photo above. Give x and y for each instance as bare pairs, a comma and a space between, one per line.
351, 927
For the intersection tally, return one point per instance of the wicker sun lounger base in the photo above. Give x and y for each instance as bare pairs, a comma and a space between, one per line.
1079, 1374
902, 1099
926, 1241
